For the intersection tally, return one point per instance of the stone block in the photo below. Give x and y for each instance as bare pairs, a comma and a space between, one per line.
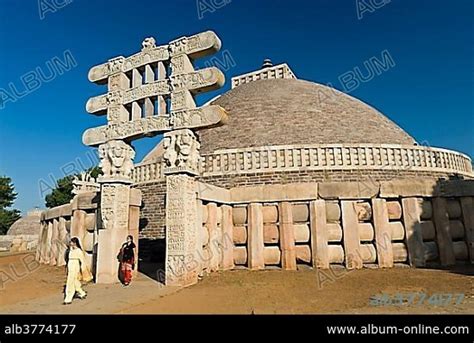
335, 253
368, 253
456, 228
430, 251
300, 213
85, 201
366, 232
400, 253
426, 209
302, 233
397, 231
364, 211
227, 255
456, 188
348, 190
394, 210
333, 212
214, 236
350, 227
239, 234
240, 256
88, 242
414, 237
428, 230
270, 214
135, 197
411, 187
460, 250
274, 193
272, 255
303, 253
467, 207
443, 235
270, 233
58, 211
213, 193
383, 234
255, 242
454, 208
239, 215
287, 237
319, 234
334, 232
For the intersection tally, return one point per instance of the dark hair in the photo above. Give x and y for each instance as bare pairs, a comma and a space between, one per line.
130, 236
76, 241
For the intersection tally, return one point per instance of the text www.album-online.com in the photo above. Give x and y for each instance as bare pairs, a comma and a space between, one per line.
420, 329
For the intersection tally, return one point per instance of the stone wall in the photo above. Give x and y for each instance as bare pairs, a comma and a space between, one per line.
152, 213
285, 164
288, 177
18, 243
404, 222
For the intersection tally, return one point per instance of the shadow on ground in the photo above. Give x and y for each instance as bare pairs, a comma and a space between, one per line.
151, 258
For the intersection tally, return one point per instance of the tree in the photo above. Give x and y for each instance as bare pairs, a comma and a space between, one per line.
62, 194
7, 218
7, 192
7, 197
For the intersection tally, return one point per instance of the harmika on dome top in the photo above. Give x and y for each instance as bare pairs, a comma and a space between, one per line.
292, 111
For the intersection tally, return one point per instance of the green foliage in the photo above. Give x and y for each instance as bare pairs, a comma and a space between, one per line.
95, 171
7, 192
7, 197
7, 218
62, 194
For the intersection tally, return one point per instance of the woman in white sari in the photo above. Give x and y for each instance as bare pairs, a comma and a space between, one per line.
76, 271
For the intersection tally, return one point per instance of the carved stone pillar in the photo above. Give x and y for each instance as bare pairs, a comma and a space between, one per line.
116, 163
181, 236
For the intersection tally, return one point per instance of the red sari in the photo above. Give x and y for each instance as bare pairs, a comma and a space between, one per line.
127, 262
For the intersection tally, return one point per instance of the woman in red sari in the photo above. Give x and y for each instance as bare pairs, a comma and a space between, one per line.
127, 261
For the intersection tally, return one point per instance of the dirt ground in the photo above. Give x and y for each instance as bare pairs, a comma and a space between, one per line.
26, 287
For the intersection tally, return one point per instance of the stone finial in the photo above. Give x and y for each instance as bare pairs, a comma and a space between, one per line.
148, 43
84, 183
267, 63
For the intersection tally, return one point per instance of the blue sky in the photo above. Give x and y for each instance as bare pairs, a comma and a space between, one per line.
429, 91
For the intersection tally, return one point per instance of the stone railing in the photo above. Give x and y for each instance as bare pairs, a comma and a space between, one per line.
143, 172
59, 224
412, 222
281, 71
79, 218
335, 157
322, 157
54, 235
